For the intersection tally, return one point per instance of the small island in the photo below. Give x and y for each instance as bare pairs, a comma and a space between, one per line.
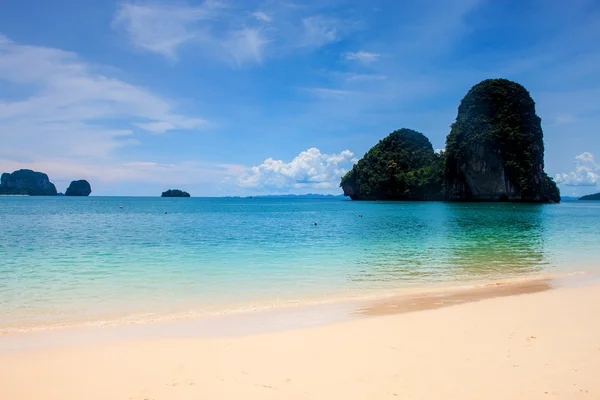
591, 197
79, 188
175, 193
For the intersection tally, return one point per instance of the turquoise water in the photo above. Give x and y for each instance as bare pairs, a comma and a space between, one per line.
67, 260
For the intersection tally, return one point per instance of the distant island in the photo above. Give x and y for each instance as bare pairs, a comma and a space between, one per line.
494, 152
591, 197
79, 188
26, 182
175, 193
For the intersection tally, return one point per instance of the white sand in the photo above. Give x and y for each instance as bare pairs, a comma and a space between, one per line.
534, 346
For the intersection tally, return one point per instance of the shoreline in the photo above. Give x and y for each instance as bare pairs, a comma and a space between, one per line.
195, 310
537, 345
291, 316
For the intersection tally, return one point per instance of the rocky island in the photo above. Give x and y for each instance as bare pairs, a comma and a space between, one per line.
590, 197
175, 193
402, 166
494, 152
26, 182
79, 188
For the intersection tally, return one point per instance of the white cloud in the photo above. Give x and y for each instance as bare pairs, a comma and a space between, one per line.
362, 56
161, 28
309, 169
246, 45
319, 31
587, 172
71, 109
329, 93
261, 16
223, 33
365, 77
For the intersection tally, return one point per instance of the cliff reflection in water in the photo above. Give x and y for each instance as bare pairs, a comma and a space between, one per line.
416, 242
496, 240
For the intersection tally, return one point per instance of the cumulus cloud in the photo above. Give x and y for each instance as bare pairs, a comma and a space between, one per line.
70, 109
361, 56
587, 172
309, 169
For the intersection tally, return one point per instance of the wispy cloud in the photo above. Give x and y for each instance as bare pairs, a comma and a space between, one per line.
364, 77
362, 56
587, 172
162, 28
225, 32
310, 169
72, 109
319, 30
261, 16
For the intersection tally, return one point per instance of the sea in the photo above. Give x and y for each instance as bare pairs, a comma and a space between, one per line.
67, 261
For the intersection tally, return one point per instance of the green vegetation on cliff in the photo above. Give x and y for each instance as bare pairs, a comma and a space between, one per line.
175, 193
402, 166
26, 182
495, 150
591, 197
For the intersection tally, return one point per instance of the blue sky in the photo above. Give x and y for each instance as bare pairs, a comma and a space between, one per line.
255, 97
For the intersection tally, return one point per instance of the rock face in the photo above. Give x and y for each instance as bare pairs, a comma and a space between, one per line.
26, 182
402, 166
175, 193
495, 150
591, 197
79, 188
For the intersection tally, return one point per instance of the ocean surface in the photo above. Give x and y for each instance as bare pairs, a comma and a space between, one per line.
69, 261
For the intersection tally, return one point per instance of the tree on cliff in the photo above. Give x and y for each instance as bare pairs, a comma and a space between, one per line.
495, 150
402, 166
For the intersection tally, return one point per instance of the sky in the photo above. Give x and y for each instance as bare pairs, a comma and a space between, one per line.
223, 97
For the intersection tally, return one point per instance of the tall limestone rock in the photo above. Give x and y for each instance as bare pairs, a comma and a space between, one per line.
495, 150
26, 182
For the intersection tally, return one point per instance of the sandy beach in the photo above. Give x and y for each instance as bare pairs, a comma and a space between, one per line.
539, 345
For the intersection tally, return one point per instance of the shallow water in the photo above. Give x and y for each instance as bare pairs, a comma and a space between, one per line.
64, 260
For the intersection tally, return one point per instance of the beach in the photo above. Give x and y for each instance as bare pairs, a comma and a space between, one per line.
540, 344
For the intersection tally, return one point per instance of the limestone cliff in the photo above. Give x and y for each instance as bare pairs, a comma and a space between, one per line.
495, 150
26, 182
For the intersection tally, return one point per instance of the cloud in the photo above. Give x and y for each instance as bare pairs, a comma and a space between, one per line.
261, 16
246, 45
161, 28
70, 109
224, 33
362, 56
309, 169
365, 77
328, 93
319, 30
587, 172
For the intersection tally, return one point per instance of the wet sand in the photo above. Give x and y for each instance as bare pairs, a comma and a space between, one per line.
507, 342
